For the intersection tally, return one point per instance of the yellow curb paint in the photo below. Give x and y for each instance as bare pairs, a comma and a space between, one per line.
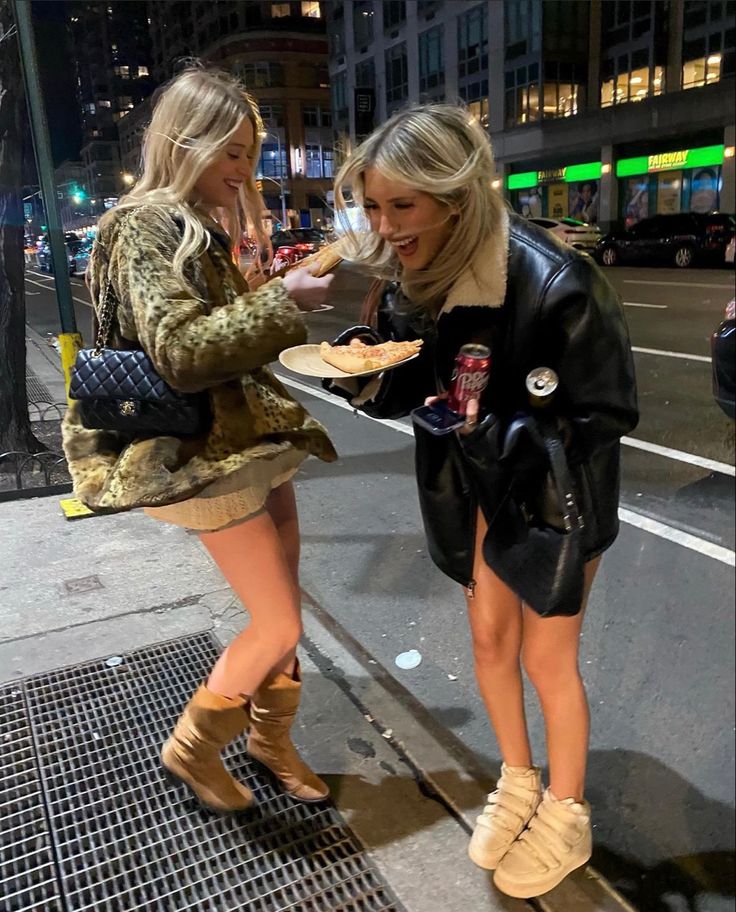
73, 508
69, 345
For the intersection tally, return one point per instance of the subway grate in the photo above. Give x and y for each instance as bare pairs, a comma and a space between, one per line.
91, 823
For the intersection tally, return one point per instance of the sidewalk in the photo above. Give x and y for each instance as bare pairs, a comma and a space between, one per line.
76, 592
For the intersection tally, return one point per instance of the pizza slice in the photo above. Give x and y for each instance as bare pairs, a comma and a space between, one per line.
358, 357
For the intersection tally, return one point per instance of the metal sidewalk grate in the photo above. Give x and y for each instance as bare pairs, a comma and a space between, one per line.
36, 390
92, 824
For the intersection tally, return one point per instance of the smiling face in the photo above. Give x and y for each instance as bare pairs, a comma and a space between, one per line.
219, 184
415, 224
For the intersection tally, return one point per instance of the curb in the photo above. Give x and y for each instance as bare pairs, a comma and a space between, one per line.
460, 785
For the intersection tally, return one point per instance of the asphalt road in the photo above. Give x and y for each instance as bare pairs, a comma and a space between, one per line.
657, 646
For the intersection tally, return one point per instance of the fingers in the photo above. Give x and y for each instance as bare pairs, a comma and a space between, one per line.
471, 413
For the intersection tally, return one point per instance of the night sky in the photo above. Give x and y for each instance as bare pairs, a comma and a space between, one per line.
53, 49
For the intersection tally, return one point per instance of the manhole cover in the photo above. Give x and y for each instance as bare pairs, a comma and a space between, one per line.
88, 822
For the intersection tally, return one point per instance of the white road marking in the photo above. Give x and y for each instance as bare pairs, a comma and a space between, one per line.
78, 300
669, 354
660, 529
678, 537
653, 306
680, 456
678, 284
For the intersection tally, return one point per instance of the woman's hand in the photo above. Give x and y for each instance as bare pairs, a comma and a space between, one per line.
308, 292
471, 412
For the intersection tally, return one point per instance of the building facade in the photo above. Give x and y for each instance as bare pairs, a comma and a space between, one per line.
605, 110
279, 51
111, 45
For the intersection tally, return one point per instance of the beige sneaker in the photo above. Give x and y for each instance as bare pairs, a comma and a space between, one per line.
509, 809
558, 840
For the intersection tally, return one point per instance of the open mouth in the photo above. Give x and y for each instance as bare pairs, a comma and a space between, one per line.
406, 247
233, 185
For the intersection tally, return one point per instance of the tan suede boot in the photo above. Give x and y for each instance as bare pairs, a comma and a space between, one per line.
272, 712
192, 753
558, 840
509, 809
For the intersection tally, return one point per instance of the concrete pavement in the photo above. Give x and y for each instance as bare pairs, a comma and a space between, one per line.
76, 591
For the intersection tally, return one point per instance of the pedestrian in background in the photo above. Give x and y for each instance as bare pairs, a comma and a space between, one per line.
166, 253
457, 268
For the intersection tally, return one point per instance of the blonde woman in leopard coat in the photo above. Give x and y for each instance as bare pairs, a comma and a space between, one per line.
167, 255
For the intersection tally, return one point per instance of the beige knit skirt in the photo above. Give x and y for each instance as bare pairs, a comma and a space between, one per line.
233, 498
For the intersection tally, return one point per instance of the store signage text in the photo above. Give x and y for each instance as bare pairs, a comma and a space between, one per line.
667, 160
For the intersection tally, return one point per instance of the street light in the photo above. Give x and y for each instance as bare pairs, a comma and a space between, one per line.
128, 179
280, 181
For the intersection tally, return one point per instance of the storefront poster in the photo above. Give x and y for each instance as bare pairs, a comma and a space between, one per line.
529, 202
557, 201
669, 187
636, 205
704, 190
584, 201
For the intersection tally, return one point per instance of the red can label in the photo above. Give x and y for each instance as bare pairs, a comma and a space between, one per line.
469, 378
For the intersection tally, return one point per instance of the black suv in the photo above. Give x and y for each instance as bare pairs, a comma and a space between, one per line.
290, 236
681, 239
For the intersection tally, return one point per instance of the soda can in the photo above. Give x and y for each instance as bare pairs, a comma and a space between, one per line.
469, 378
541, 384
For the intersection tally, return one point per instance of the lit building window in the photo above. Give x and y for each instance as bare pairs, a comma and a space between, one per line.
701, 72
634, 86
143, 71
479, 111
104, 103
311, 10
123, 72
279, 10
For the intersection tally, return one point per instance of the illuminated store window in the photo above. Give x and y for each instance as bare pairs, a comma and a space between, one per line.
311, 10
279, 10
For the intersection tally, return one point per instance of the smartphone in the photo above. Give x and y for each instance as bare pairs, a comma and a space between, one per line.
437, 418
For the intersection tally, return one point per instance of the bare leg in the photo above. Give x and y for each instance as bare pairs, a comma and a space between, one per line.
550, 656
281, 506
496, 626
252, 559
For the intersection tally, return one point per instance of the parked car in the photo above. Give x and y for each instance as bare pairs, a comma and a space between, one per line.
730, 255
45, 260
579, 235
723, 351
681, 239
81, 258
308, 239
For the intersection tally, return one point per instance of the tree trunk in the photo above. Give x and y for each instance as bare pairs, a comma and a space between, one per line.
15, 428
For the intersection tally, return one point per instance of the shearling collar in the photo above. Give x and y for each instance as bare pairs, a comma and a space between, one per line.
483, 284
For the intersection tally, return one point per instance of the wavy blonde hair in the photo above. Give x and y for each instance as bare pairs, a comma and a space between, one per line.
193, 120
437, 149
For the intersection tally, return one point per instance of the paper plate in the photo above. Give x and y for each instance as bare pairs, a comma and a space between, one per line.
306, 360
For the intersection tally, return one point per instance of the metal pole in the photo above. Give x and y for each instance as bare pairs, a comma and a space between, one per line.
284, 222
44, 163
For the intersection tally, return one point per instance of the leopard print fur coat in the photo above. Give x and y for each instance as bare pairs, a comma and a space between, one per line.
220, 339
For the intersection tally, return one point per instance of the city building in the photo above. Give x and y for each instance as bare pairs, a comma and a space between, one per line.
608, 110
112, 50
279, 51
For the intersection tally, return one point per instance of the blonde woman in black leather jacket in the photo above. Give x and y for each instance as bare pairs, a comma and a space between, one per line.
457, 268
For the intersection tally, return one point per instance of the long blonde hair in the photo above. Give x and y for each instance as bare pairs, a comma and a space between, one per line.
437, 149
193, 120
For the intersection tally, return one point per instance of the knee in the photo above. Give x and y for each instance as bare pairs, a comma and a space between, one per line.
550, 672
494, 646
282, 640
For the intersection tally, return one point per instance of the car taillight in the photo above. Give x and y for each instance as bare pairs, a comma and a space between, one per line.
304, 248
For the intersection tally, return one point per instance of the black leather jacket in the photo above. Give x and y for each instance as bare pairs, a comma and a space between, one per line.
558, 311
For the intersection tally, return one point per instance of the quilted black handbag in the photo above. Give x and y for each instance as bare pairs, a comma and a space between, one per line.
120, 390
